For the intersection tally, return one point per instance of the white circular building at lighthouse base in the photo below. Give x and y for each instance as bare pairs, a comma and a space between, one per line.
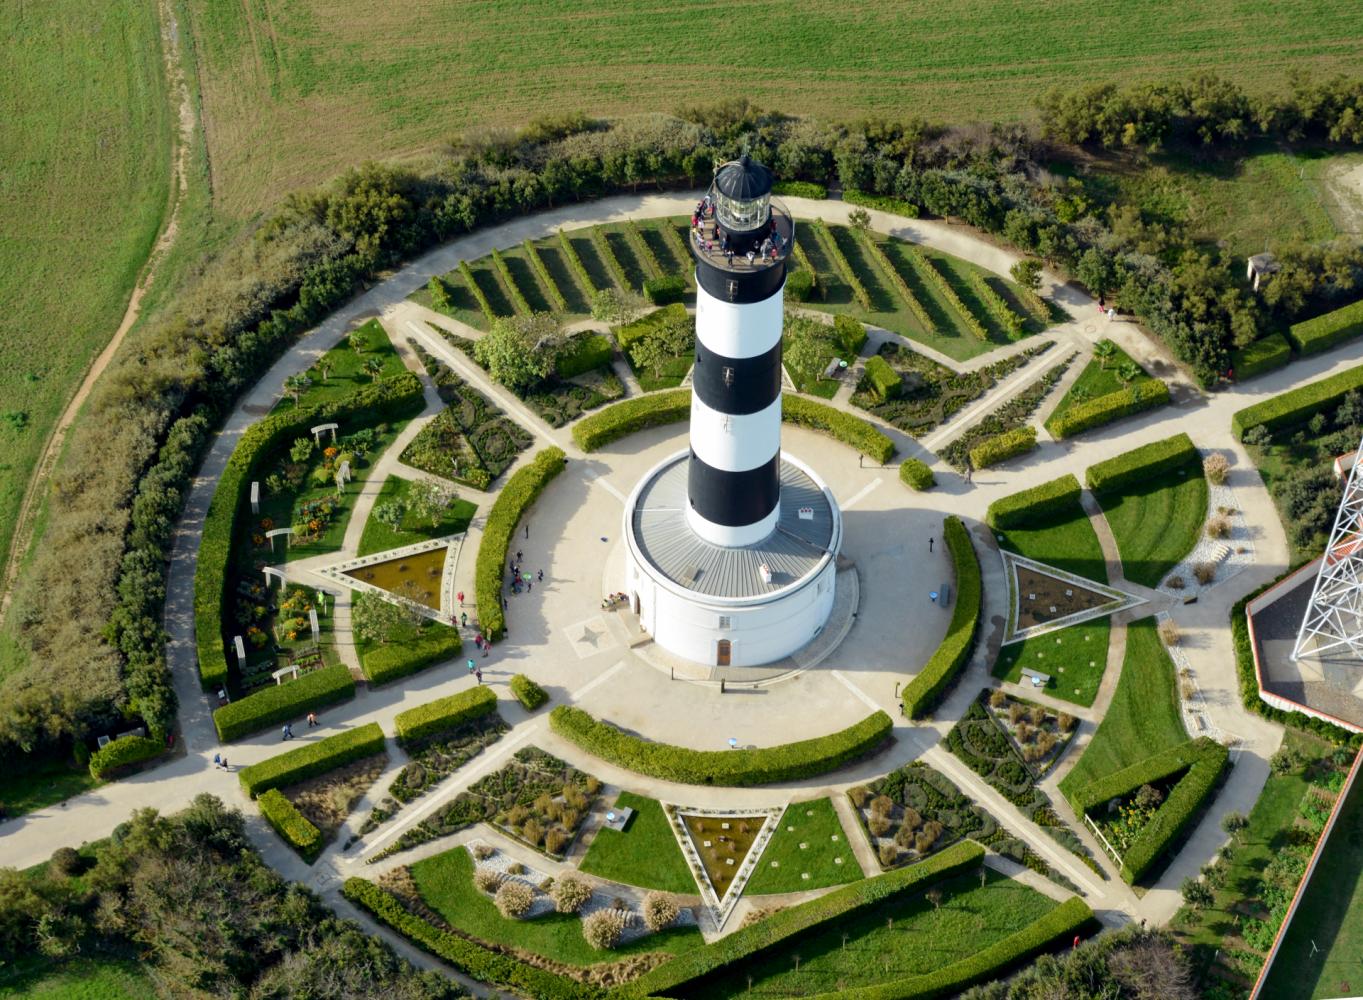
735, 606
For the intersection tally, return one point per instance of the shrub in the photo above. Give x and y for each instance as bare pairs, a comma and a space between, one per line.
850, 334
1144, 395
1001, 447
1264, 355
570, 893
1205, 572
923, 692
1216, 467
1320, 334
282, 702
1140, 465
1299, 405
629, 334
123, 752
477, 291
435, 643
513, 898
604, 928
800, 189
665, 289
584, 352
1055, 499
312, 759
851, 431
744, 946
1218, 526
660, 911
799, 285
916, 474
606, 252
298, 832
483, 851
884, 382
1169, 633
614, 422
575, 264
889, 853
444, 714
66, 861
880, 202
514, 500
786, 762
803, 264
528, 693
488, 880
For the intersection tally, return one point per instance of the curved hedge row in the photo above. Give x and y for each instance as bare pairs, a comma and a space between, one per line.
599, 429
1001, 447
854, 432
282, 702
474, 960
1054, 499
513, 501
1320, 334
297, 830
1096, 412
1298, 405
123, 752
434, 644
1264, 355
916, 474
400, 395
444, 714
311, 759
927, 687
732, 768
743, 945
1141, 464
880, 202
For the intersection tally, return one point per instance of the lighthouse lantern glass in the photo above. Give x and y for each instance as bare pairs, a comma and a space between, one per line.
741, 215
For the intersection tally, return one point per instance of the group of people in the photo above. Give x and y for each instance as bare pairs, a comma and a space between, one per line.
518, 580
611, 601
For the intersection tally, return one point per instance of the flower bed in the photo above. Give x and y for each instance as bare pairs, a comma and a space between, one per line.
1012, 414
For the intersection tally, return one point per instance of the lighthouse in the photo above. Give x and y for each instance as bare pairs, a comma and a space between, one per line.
732, 544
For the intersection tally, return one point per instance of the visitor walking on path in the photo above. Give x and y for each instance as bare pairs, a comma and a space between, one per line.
472, 666
217, 760
464, 619
312, 719
930, 543
460, 595
539, 576
478, 674
225, 765
288, 730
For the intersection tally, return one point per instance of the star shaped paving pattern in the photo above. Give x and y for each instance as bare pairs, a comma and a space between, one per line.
588, 636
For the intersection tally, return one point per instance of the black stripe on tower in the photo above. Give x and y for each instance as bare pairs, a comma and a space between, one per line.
734, 499
736, 386
740, 286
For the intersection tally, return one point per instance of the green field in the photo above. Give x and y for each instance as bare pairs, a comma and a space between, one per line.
1157, 525
816, 826
379, 537
341, 370
85, 137
644, 854
1074, 657
78, 979
1069, 544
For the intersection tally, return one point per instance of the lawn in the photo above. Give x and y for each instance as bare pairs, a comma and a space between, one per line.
906, 937
446, 884
1144, 715
1070, 544
344, 367
816, 825
379, 537
1098, 378
645, 854
1075, 658
43, 781
78, 979
1157, 524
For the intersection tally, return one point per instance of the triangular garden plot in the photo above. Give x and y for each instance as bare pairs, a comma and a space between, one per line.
420, 574
1044, 599
722, 849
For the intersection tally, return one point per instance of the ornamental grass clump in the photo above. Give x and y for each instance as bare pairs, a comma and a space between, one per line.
604, 928
514, 899
660, 911
570, 893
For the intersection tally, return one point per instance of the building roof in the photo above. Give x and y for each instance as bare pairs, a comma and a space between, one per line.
743, 179
797, 547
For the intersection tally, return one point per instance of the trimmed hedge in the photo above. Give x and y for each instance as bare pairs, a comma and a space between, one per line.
312, 759
586, 352
824, 237
546, 280
284, 701
1144, 395
1204, 758
665, 289
916, 474
444, 714
622, 419
1142, 464
474, 960
1298, 405
744, 945
513, 501
434, 644
880, 202
799, 285
479, 295
513, 290
849, 333
729, 768
123, 752
575, 264
800, 189
877, 253
296, 829
528, 693
995, 303
851, 431
397, 396
929, 269
803, 263
923, 693
1322, 333
1264, 355
1001, 447
883, 380
629, 334
1054, 499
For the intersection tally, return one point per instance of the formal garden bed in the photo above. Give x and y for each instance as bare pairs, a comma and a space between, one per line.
1111, 370
809, 850
1012, 415
406, 511
326, 800
536, 798
363, 357
660, 346
276, 629
645, 853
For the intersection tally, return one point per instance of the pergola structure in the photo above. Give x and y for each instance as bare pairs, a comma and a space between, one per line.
1334, 616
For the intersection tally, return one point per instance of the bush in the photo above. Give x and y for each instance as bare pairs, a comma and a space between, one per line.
851, 431
1298, 405
614, 422
850, 334
665, 289
570, 892
514, 500
434, 643
584, 352
1216, 467
312, 759
444, 714
1264, 355
296, 829
1055, 499
927, 687
629, 334
742, 947
799, 285
1001, 447
660, 910
604, 928
882, 380
916, 474
1140, 465
1144, 395
883, 203
513, 899
800, 189
67, 862
1320, 334
397, 396
786, 762
488, 880
473, 960
123, 752
528, 693
283, 702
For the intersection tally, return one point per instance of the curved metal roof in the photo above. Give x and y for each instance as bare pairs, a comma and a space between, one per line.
743, 179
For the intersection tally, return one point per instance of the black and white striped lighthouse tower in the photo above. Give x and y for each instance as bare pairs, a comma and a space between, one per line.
741, 246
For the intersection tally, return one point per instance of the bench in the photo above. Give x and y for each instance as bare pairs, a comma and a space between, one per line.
1038, 679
